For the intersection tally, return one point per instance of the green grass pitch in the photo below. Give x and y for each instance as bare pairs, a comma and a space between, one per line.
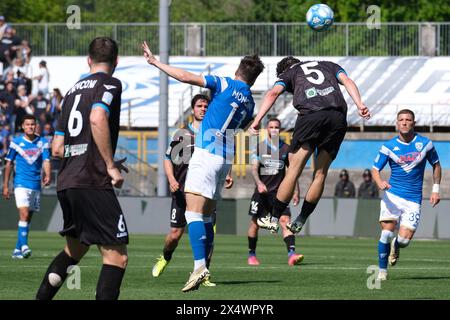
334, 268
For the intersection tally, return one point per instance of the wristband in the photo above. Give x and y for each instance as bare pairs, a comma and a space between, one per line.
435, 188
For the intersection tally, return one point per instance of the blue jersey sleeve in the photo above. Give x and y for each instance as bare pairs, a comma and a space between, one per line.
382, 158
432, 155
12, 153
215, 83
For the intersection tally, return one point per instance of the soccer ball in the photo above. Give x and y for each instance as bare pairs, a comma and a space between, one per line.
319, 17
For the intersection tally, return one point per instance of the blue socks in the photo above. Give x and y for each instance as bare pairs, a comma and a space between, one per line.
209, 229
384, 248
197, 237
22, 235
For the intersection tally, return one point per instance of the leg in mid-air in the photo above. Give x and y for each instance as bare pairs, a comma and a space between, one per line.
58, 270
289, 239
170, 244
315, 190
115, 260
402, 240
297, 162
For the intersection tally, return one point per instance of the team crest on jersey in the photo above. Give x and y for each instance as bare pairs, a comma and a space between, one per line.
419, 146
311, 92
39, 144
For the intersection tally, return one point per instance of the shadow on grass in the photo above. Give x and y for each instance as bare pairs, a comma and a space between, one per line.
423, 278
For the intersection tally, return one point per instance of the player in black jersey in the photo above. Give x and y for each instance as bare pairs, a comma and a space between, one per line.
269, 168
86, 140
176, 165
321, 126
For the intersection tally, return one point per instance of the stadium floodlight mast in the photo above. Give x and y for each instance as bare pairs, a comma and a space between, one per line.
163, 94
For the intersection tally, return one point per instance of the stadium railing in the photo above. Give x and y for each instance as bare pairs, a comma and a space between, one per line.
237, 39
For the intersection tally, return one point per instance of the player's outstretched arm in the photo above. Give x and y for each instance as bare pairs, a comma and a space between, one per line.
437, 175
353, 91
269, 99
176, 73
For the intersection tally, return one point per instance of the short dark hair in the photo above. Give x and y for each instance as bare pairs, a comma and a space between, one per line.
285, 64
103, 50
274, 119
406, 111
250, 68
197, 97
28, 117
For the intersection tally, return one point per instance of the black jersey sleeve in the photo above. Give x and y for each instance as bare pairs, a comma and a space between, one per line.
287, 80
335, 68
176, 139
61, 124
108, 91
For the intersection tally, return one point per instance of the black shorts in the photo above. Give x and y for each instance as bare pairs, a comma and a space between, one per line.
261, 205
93, 216
178, 209
324, 130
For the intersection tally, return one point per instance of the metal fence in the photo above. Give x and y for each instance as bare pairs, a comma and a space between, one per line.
236, 39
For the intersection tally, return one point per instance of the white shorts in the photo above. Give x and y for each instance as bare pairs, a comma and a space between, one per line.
394, 208
206, 174
28, 198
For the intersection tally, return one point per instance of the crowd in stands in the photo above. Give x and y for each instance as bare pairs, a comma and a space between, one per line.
23, 90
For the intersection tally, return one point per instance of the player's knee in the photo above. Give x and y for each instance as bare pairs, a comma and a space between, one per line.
123, 261
320, 176
386, 236
176, 234
284, 220
402, 242
55, 279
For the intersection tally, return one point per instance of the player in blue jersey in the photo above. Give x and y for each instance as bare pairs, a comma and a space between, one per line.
30, 152
231, 108
407, 155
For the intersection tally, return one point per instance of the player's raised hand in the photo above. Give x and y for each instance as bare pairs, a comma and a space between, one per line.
148, 55
116, 177
364, 112
435, 199
384, 185
6, 194
228, 182
120, 166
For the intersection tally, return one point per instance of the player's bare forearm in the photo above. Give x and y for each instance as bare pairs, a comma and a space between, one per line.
268, 101
437, 173
101, 135
168, 169
377, 179
8, 169
255, 173
47, 170
180, 74
58, 146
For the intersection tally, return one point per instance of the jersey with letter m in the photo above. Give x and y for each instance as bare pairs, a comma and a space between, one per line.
28, 156
82, 165
407, 162
315, 86
231, 107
